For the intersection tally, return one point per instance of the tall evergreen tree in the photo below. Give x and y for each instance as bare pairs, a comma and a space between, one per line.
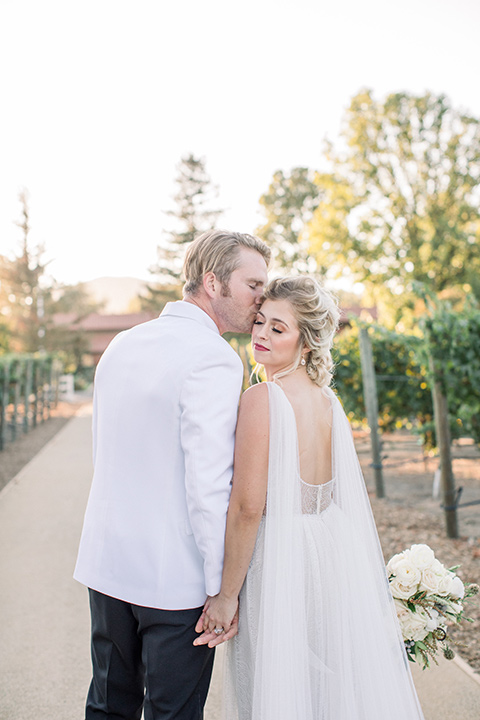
193, 214
23, 294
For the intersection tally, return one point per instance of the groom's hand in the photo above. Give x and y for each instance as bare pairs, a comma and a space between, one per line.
199, 625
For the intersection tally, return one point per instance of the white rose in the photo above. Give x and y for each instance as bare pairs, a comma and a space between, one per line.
445, 584
438, 568
416, 626
393, 562
422, 556
458, 588
402, 610
402, 592
412, 624
406, 579
430, 581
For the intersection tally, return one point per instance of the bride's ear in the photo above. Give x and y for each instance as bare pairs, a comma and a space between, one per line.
305, 351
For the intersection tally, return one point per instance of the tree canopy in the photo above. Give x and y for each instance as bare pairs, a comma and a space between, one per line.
402, 202
288, 205
194, 213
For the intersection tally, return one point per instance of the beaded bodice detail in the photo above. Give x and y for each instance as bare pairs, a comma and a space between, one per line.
316, 498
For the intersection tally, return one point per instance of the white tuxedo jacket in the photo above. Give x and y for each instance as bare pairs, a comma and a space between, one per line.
165, 410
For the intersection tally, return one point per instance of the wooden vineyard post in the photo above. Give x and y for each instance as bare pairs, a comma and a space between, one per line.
16, 385
28, 392
442, 429
4, 392
371, 405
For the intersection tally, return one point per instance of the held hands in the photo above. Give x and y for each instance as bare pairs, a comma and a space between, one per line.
218, 612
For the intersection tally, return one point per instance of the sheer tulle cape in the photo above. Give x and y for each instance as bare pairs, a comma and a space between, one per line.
319, 638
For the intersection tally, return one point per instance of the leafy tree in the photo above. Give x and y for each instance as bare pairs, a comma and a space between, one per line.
452, 342
158, 294
405, 377
23, 292
289, 204
193, 214
4, 309
402, 203
70, 340
4, 338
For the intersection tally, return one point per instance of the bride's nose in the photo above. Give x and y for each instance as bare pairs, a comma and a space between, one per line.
262, 332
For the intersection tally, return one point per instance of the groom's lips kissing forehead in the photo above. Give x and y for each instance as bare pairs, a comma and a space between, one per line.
261, 347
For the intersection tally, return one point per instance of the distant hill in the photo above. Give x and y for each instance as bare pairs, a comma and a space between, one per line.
117, 293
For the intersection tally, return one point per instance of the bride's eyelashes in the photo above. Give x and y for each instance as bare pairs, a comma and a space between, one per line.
259, 322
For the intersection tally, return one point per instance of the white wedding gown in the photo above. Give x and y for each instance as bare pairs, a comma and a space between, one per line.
318, 635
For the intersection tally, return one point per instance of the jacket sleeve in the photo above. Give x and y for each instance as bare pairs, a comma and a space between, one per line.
209, 405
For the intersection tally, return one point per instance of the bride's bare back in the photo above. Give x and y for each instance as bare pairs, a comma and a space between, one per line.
313, 413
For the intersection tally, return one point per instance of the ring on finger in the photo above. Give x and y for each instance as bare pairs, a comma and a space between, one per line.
218, 631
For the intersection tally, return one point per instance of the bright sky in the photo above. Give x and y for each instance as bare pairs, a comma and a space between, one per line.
100, 98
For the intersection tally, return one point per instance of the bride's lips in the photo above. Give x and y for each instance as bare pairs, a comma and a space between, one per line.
260, 347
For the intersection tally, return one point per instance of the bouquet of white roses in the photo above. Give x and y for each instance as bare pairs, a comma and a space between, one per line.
428, 597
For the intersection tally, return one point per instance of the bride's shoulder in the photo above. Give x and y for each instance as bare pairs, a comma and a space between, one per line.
257, 393
254, 400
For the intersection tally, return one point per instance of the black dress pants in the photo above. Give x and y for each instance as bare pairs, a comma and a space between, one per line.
143, 658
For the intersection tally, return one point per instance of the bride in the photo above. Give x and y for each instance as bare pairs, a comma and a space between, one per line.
318, 637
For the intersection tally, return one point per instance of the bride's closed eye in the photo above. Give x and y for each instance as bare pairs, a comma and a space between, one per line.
261, 322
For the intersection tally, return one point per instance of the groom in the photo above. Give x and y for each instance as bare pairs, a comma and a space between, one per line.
165, 408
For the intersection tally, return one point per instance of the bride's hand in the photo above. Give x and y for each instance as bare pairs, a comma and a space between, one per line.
218, 612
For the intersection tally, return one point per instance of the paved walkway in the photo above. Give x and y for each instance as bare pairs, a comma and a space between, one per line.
44, 628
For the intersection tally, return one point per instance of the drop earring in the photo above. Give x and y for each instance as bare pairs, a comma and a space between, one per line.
303, 361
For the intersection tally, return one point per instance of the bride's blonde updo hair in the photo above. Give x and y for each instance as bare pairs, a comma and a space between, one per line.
317, 314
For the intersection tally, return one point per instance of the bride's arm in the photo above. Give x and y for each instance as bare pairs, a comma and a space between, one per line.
245, 510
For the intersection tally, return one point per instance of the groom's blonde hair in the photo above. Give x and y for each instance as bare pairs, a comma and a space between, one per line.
218, 251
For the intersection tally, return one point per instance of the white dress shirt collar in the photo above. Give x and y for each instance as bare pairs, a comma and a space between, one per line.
184, 309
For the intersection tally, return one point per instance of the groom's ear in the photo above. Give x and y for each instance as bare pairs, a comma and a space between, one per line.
210, 284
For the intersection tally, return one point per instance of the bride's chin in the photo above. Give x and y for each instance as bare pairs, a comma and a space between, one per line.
260, 358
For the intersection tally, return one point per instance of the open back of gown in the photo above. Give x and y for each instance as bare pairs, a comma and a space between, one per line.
318, 634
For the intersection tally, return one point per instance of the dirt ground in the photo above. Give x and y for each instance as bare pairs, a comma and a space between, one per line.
409, 514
